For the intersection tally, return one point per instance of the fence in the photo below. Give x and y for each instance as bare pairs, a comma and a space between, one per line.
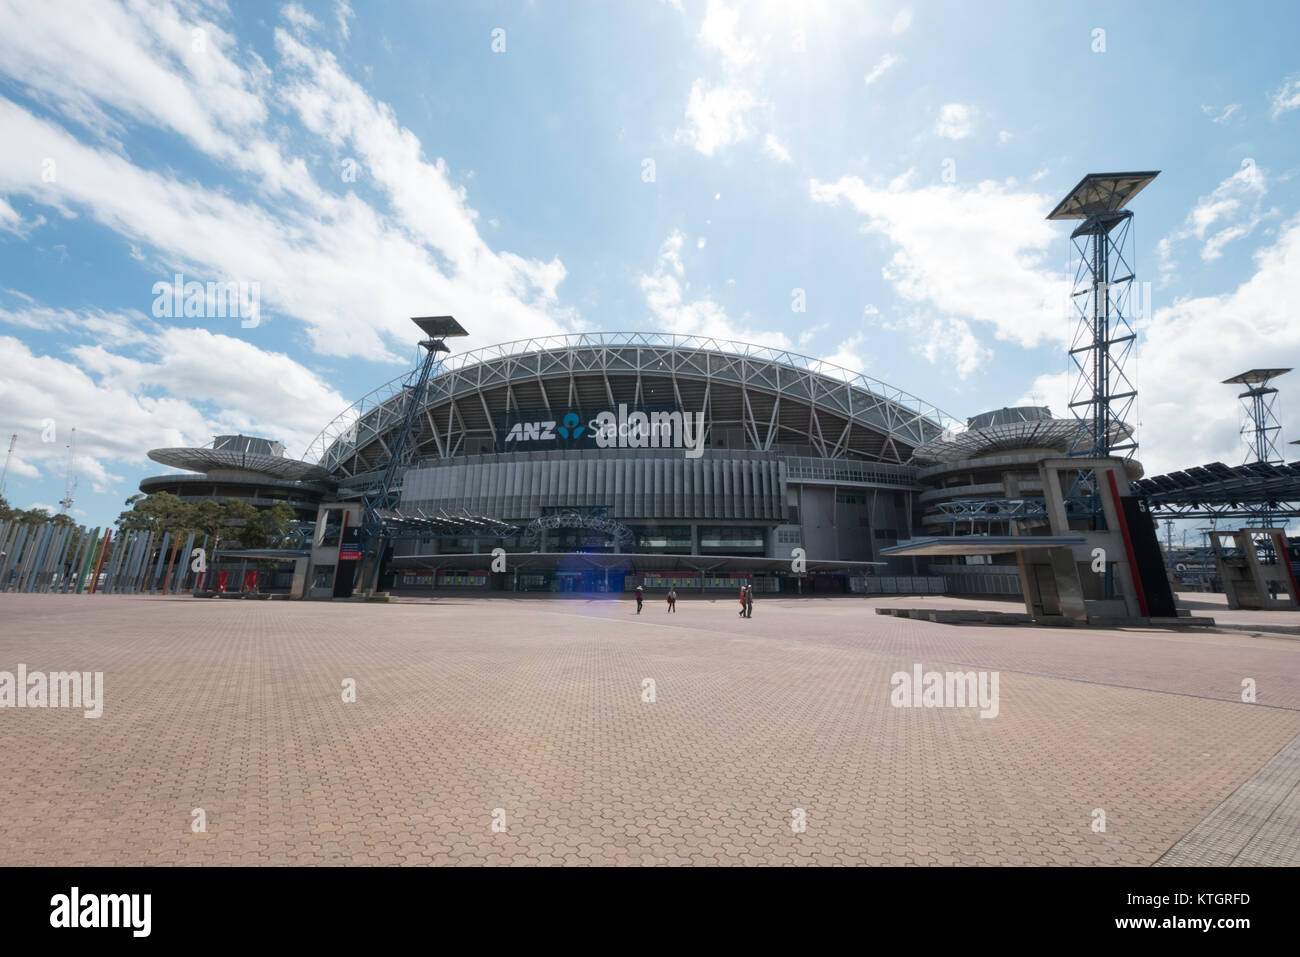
899, 585
63, 559
980, 579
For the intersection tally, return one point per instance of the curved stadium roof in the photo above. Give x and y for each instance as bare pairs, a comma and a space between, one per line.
771, 397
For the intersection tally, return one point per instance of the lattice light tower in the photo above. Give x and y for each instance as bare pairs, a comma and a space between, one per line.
1102, 397
1260, 428
382, 494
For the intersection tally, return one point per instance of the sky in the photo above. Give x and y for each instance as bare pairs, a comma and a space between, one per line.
865, 183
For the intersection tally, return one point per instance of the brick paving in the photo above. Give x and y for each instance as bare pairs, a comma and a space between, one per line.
535, 708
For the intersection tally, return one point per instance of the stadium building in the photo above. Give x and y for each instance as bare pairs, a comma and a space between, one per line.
656, 458
986, 480
595, 462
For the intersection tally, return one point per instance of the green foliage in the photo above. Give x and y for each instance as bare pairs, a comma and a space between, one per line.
31, 516
229, 521
269, 527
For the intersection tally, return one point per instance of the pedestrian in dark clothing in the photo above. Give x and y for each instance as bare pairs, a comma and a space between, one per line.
749, 601
672, 600
640, 597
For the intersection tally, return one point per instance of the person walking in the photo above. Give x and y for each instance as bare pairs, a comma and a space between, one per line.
672, 601
749, 601
742, 601
640, 597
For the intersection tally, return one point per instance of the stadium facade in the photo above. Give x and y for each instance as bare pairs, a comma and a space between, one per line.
623, 458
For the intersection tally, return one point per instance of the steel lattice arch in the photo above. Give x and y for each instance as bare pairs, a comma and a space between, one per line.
752, 396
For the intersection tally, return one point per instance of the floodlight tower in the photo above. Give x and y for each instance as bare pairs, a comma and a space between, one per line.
381, 495
70, 484
1102, 396
1260, 428
4, 476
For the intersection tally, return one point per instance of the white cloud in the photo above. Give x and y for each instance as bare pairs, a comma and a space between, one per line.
977, 254
717, 117
955, 121
1287, 96
10, 221
666, 291
135, 384
299, 17
811, 333
902, 181
348, 270
877, 71
1220, 115
1230, 212
952, 343
726, 110
342, 14
775, 149
1004, 137
720, 31
848, 354
902, 20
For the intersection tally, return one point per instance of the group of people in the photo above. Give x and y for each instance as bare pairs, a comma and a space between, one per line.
746, 600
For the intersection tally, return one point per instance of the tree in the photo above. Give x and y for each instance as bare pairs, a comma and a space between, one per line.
231, 521
158, 513
269, 527
32, 516
208, 518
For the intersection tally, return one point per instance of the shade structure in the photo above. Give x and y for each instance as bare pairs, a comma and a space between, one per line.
439, 327
1100, 193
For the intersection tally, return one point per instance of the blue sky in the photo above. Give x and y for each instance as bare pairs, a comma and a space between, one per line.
362, 164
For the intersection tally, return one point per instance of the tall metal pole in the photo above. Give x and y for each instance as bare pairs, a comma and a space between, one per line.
4, 477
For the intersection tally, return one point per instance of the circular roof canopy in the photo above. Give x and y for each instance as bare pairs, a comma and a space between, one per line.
1006, 436
211, 460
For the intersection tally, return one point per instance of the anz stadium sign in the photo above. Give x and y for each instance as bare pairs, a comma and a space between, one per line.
635, 427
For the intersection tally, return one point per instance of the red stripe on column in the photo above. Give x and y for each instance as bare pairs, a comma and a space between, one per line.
1128, 544
1286, 559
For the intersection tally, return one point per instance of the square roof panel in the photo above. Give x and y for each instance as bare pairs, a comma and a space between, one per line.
1101, 193
439, 327
1255, 376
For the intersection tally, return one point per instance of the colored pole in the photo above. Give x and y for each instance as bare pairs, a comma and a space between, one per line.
167, 579
90, 557
94, 580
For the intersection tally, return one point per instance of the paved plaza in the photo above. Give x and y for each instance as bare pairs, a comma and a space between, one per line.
504, 731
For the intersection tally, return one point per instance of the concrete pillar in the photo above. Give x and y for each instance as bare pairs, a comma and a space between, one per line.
298, 589
1068, 587
1029, 586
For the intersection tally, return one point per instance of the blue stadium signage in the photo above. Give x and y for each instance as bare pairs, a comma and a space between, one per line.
622, 427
